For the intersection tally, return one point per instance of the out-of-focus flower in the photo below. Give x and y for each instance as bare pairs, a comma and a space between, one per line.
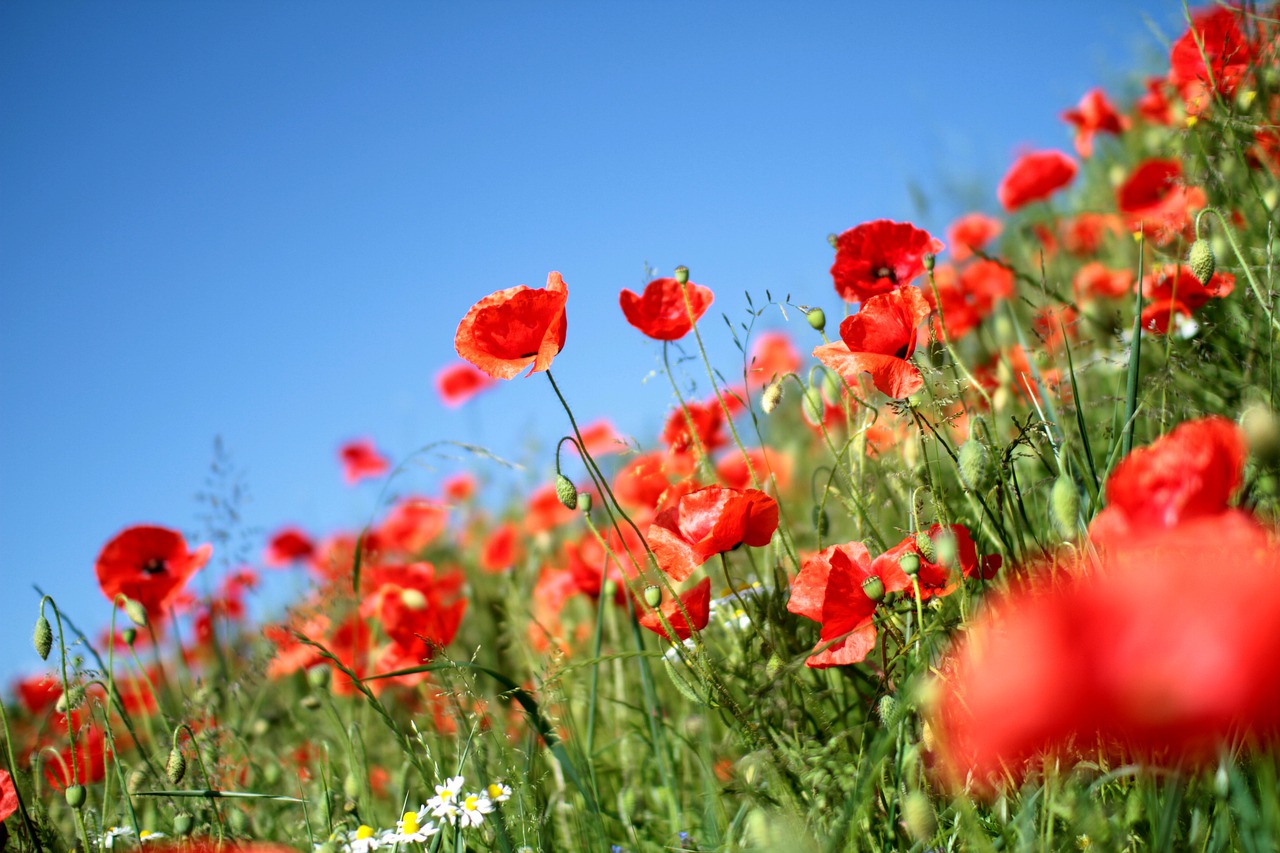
880, 256
515, 328
1174, 290
708, 426
411, 525
935, 577
1094, 279
149, 565
772, 354
361, 460
1155, 201
661, 311
972, 231
1035, 177
1211, 57
1094, 114
288, 545
458, 383
8, 796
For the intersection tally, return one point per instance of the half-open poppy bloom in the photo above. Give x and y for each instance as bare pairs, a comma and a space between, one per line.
361, 460
1035, 177
972, 231
149, 565
936, 578
831, 589
1214, 35
458, 383
288, 545
696, 602
1192, 471
880, 256
515, 328
1140, 659
661, 312
707, 522
1156, 201
1175, 290
1094, 114
878, 340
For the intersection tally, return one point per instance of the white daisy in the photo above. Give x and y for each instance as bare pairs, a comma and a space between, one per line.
413, 827
498, 792
473, 808
109, 837
365, 838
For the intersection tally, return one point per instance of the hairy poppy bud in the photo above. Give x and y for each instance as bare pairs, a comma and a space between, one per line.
771, 396
240, 822
309, 702
43, 637
1201, 260
75, 796
176, 767
917, 814
813, 406
1064, 506
351, 786
833, 240
584, 501
652, 595
773, 665
136, 612
924, 544
821, 521
566, 492
887, 709
70, 699
817, 318
909, 562
183, 823
318, 676
975, 465
682, 274
129, 635
929, 260
873, 587
832, 385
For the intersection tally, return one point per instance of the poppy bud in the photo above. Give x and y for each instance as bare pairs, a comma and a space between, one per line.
945, 547
176, 767
240, 822
271, 774
309, 702
917, 814
318, 676
566, 492
652, 595
873, 587
351, 786
1064, 506
909, 562
771, 396
75, 796
682, 274
821, 521
259, 728
832, 384
975, 465
773, 665
70, 699
929, 260
584, 501
1261, 432
136, 780
887, 709
813, 406
43, 637
924, 544
834, 241
1222, 781
1201, 260
183, 823
817, 319
136, 612
414, 599
129, 635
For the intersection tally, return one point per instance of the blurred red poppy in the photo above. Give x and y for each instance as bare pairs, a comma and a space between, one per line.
361, 460
601, 438
8, 796
515, 328
661, 312
708, 426
1094, 279
1215, 36
287, 545
1174, 289
880, 256
91, 755
1083, 234
968, 299
878, 340
1094, 114
413, 523
501, 549
830, 590
458, 383
972, 231
1035, 177
773, 354
149, 565
695, 601
1156, 201
707, 522
1153, 105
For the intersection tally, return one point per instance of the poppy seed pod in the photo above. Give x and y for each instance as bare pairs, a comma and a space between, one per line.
681, 274
929, 260
70, 699
975, 465
129, 635
318, 676
910, 563
817, 318
176, 767
873, 587
183, 823
1201, 260
1064, 505
75, 796
584, 501
652, 595
924, 544
42, 639
566, 492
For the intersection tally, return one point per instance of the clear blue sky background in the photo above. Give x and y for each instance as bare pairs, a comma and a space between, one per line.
263, 221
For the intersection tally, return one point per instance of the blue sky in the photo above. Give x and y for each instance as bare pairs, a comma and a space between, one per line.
263, 221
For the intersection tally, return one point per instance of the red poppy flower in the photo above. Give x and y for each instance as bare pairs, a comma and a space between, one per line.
515, 328
772, 354
878, 340
1155, 200
1176, 290
733, 471
1093, 115
292, 654
966, 300
936, 579
1214, 35
148, 564
707, 522
8, 796
880, 256
1140, 659
1153, 105
696, 602
1190, 472
458, 383
459, 488
501, 549
91, 755
1035, 177
411, 525
829, 590
1083, 234
287, 545
1053, 324
642, 481
600, 438
1093, 279
544, 511
420, 609
661, 312
972, 231
708, 425
360, 460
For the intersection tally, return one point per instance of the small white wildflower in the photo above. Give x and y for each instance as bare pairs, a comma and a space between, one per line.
365, 838
109, 837
498, 792
413, 827
147, 835
673, 654
445, 803
473, 808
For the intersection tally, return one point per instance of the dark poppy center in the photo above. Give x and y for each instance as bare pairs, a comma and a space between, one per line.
154, 566
887, 272
902, 350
